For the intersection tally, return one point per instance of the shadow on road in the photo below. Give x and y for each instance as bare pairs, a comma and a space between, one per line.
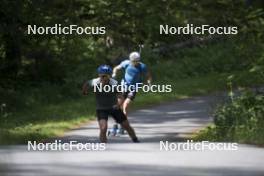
119, 169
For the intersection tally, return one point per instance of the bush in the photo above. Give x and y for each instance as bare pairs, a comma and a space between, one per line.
241, 120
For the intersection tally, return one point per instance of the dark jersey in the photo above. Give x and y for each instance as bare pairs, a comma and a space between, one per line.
104, 100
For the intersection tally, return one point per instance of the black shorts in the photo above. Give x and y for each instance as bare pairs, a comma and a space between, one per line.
129, 94
117, 114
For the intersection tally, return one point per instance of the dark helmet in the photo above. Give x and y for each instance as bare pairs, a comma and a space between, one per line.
104, 69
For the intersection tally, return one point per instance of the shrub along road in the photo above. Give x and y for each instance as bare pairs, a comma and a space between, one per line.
171, 122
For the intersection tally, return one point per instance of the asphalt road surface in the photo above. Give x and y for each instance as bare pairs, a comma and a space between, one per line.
172, 122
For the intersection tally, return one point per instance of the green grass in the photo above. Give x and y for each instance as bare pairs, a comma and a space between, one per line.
41, 121
241, 136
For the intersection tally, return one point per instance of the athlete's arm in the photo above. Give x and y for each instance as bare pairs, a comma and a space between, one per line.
119, 67
85, 88
149, 77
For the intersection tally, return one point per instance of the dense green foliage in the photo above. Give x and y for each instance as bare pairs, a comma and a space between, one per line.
59, 59
240, 120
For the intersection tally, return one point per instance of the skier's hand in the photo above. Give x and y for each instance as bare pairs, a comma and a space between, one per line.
149, 82
113, 75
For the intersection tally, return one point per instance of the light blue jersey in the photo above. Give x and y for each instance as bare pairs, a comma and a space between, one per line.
133, 74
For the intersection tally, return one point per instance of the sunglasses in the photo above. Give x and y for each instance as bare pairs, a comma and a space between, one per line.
135, 62
103, 76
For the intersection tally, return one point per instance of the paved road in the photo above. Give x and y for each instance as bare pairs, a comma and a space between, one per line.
170, 122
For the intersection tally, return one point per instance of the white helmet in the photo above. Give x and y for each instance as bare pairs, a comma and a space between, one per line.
134, 56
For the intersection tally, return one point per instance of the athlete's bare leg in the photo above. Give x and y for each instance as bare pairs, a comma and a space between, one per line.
103, 129
125, 105
131, 132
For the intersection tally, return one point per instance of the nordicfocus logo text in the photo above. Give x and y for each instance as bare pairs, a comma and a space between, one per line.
58, 145
136, 88
198, 146
190, 29
58, 29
